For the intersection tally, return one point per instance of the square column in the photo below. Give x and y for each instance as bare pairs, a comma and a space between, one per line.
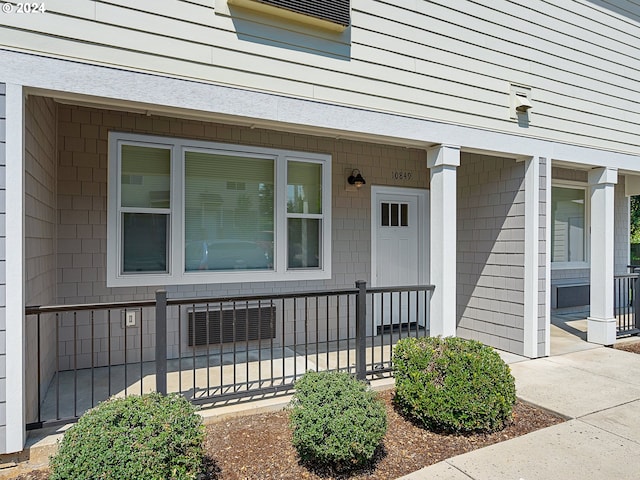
442, 162
601, 324
536, 283
14, 388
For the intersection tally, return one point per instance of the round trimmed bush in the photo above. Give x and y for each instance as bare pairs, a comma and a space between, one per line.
337, 421
453, 385
147, 437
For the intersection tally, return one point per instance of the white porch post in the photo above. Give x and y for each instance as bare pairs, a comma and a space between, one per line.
14, 386
532, 253
442, 162
601, 324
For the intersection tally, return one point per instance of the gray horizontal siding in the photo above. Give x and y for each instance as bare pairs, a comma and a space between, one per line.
442, 60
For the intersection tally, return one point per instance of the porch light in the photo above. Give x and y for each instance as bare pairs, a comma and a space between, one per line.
356, 178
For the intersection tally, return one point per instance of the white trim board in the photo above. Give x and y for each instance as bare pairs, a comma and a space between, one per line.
15, 354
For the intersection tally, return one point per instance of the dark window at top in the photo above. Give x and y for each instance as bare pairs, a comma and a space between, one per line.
335, 11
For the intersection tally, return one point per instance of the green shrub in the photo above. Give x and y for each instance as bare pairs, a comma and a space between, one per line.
337, 421
452, 384
148, 437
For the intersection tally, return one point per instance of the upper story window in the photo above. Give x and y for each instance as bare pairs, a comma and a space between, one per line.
569, 226
185, 212
334, 15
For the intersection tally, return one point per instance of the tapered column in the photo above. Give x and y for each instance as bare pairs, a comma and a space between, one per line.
601, 324
443, 162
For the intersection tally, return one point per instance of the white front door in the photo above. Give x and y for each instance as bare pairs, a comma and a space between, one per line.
400, 251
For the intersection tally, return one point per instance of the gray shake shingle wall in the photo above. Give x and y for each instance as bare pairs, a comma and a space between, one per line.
490, 257
3, 282
40, 240
545, 179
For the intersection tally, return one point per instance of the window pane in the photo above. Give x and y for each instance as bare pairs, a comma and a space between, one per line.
385, 214
229, 205
394, 214
304, 187
304, 243
145, 177
404, 214
144, 242
567, 225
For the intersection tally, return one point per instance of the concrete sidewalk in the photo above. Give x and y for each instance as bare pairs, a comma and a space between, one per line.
598, 390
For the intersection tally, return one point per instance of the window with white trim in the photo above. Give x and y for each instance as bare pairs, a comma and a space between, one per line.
186, 212
569, 226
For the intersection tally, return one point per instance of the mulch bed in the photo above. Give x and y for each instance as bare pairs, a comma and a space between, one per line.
259, 446
630, 346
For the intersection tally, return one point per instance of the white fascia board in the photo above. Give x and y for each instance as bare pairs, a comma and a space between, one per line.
167, 95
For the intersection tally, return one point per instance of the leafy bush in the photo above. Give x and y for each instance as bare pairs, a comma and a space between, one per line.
453, 385
148, 437
337, 421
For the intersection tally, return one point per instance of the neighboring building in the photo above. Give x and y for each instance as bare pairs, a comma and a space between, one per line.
137, 138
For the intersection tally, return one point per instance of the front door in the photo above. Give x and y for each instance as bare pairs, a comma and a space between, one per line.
400, 251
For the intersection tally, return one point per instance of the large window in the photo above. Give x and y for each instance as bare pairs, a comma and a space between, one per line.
185, 212
569, 226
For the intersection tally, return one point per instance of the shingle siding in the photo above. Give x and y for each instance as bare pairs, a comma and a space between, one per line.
490, 262
40, 239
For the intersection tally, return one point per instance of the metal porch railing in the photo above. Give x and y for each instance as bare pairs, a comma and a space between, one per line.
626, 298
211, 350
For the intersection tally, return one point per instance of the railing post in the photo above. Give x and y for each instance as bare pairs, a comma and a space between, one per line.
636, 299
361, 330
161, 341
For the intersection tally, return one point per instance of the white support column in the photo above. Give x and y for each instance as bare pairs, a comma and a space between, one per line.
443, 162
601, 324
547, 257
14, 387
531, 256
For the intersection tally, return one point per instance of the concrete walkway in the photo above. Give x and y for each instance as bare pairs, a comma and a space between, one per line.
598, 390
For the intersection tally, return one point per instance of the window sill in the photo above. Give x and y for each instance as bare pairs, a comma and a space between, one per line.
199, 278
570, 265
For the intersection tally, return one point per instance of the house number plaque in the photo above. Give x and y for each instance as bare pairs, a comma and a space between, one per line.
402, 175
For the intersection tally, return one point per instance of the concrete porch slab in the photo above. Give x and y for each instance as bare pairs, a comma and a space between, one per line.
607, 362
574, 392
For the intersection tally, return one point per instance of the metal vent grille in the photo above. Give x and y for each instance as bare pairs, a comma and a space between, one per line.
335, 11
237, 325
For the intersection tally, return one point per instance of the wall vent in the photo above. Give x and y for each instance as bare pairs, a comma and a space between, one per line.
334, 14
253, 323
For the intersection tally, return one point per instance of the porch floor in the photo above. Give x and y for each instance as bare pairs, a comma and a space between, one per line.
569, 333
201, 377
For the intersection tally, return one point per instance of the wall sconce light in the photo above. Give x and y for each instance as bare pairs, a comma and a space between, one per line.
356, 178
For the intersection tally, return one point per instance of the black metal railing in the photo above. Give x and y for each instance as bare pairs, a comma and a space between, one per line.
626, 297
212, 350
